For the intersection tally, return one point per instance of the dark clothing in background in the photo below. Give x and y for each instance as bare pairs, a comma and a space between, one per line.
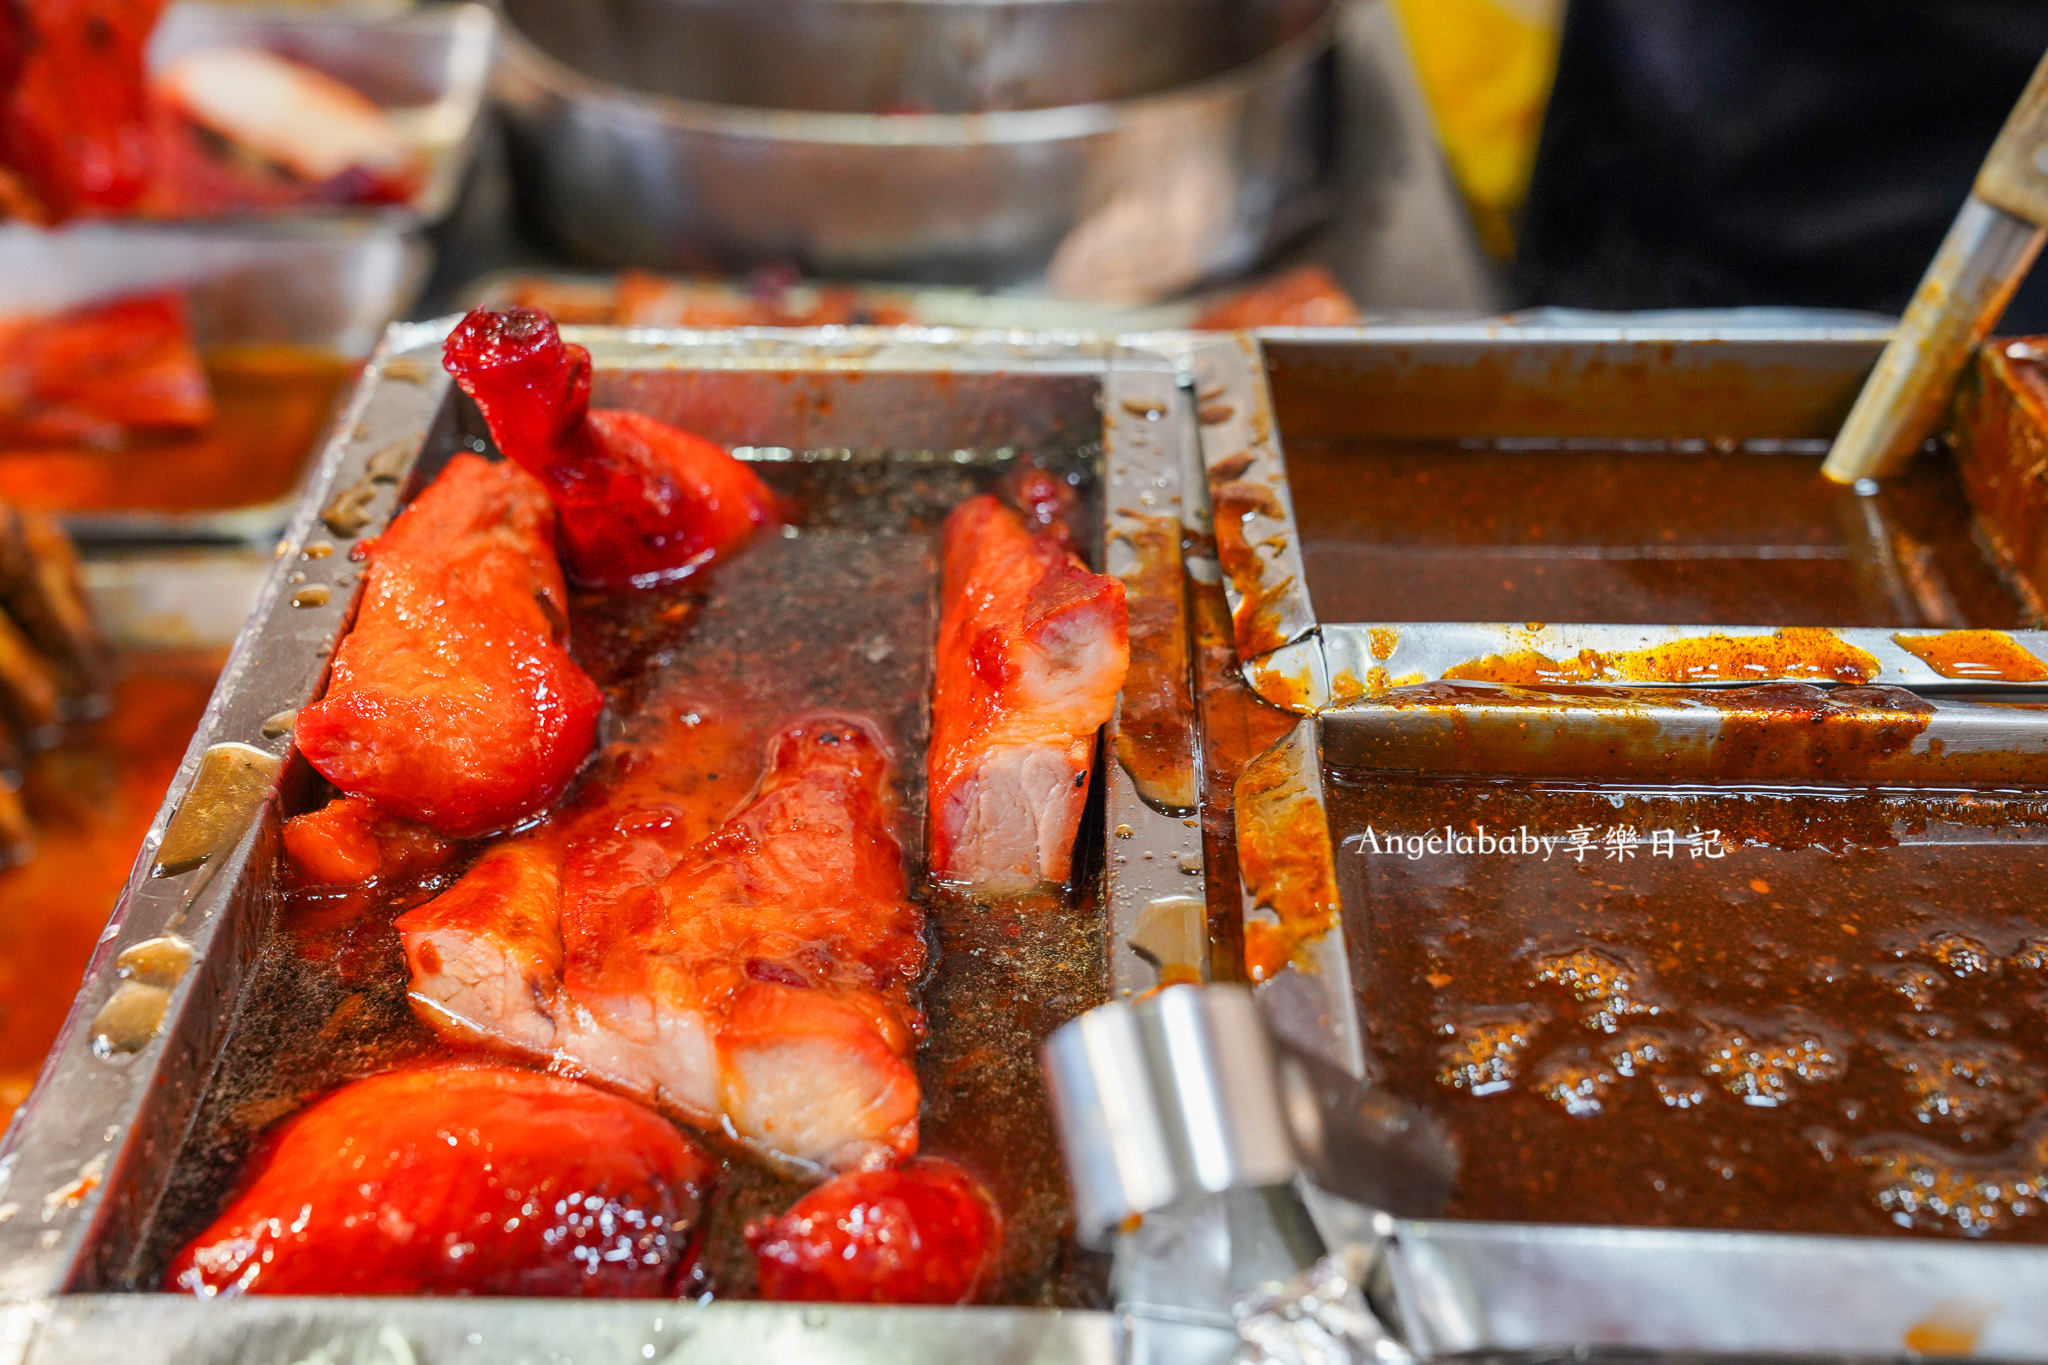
1715, 153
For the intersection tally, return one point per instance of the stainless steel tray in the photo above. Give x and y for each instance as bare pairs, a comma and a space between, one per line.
1776, 386
427, 68
322, 287
83, 1167
1456, 1287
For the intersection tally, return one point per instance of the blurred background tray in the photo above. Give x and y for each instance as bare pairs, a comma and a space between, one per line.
282, 317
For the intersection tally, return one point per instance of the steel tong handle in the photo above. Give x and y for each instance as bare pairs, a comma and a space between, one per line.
1160, 1100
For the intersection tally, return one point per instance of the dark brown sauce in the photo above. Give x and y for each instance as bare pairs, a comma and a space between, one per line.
1424, 530
270, 404
1839, 1025
1154, 738
838, 612
92, 801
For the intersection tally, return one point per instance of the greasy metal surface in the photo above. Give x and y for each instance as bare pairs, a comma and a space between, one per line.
330, 290
86, 1329
1642, 656
1509, 1287
1978, 265
427, 68
1074, 198
1251, 503
81, 1171
1294, 940
1780, 733
1157, 915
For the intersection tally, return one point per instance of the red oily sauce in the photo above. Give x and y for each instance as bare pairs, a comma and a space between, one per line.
1766, 1009
270, 403
1978, 655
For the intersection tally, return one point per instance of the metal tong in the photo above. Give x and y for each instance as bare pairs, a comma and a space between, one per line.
1188, 1129
1988, 251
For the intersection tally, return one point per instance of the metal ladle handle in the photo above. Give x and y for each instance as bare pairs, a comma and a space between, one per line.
1988, 251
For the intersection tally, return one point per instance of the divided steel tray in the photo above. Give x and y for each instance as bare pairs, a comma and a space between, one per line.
81, 1173
87, 1166
1694, 706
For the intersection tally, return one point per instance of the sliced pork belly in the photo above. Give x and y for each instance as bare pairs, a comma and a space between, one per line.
291, 115
1032, 651
758, 979
453, 700
459, 1180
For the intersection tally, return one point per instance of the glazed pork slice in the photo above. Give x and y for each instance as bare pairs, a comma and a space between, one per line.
453, 700
101, 374
1032, 651
758, 979
459, 1180
290, 115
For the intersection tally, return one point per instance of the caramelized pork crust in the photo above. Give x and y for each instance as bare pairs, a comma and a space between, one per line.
641, 502
453, 700
1032, 651
758, 979
459, 1180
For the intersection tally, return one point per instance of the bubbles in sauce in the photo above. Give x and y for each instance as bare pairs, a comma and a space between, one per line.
1839, 1025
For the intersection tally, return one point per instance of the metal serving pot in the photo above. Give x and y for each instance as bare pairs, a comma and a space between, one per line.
895, 138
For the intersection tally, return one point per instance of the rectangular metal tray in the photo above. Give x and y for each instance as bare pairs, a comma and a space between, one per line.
426, 67
325, 287
1615, 385
1457, 1287
83, 1167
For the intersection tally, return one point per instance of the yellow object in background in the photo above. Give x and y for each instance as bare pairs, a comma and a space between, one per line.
1486, 68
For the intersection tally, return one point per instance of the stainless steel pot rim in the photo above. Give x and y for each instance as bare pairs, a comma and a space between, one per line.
1061, 123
